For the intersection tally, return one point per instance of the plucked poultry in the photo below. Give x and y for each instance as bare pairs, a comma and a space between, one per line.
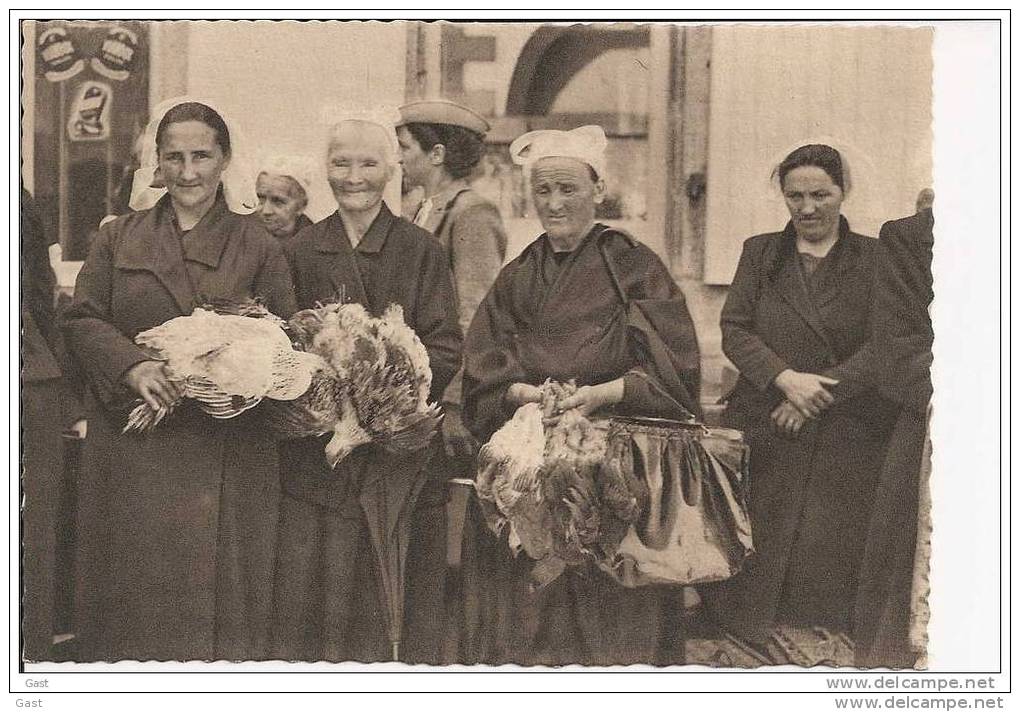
227, 362
372, 386
546, 478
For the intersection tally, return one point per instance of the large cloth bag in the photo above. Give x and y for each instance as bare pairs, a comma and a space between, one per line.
696, 528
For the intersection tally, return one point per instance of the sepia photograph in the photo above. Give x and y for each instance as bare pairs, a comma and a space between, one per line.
448, 345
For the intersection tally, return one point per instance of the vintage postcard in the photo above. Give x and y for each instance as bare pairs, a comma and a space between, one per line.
420, 344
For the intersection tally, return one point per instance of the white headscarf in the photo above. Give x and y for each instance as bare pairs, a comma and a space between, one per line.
238, 180
386, 117
585, 143
299, 168
849, 154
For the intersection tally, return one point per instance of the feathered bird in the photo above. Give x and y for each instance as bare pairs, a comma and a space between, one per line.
315, 412
619, 488
514, 453
226, 362
556, 487
575, 514
376, 387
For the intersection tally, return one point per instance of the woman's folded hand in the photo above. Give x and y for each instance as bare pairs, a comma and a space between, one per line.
787, 419
807, 392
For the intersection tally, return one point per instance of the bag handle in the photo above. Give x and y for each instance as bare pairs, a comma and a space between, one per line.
612, 270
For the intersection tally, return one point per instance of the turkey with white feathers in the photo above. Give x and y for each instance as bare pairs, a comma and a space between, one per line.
227, 362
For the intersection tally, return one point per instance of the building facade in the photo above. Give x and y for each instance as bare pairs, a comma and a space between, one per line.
697, 116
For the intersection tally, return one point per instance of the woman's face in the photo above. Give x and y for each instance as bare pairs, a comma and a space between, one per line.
814, 202
414, 161
191, 163
281, 201
565, 197
359, 166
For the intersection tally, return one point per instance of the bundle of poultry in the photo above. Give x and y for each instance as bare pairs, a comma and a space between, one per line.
333, 370
372, 386
228, 360
546, 478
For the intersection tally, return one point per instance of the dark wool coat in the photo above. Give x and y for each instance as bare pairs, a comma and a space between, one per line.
810, 496
327, 592
609, 310
177, 529
41, 421
903, 335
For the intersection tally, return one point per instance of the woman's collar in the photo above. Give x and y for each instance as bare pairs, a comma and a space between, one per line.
595, 229
790, 232
375, 236
166, 207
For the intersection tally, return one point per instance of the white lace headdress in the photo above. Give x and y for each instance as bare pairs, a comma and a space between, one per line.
238, 179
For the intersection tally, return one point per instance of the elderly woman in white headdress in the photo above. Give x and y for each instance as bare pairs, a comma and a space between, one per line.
590, 303
177, 528
282, 186
328, 582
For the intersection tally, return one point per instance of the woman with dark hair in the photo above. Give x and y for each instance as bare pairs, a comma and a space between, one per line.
796, 324
440, 144
177, 528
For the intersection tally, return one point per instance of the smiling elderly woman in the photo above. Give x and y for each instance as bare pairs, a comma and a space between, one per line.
328, 583
586, 302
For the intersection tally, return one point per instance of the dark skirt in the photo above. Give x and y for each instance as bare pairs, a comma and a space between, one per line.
328, 588
810, 500
176, 541
883, 606
583, 617
41, 483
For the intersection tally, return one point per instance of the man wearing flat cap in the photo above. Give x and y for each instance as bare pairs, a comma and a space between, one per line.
441, 142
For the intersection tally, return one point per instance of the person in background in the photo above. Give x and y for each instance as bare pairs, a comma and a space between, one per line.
903, 338
328, 581
48, 402
586, 302
177, 528
441, 143
797, 325
282, 186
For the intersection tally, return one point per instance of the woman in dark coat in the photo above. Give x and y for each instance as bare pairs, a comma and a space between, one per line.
177, 528
796, 323
584, 302
328, 599
903, 339
48, 404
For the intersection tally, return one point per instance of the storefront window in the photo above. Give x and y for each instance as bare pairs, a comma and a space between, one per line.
91, 104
